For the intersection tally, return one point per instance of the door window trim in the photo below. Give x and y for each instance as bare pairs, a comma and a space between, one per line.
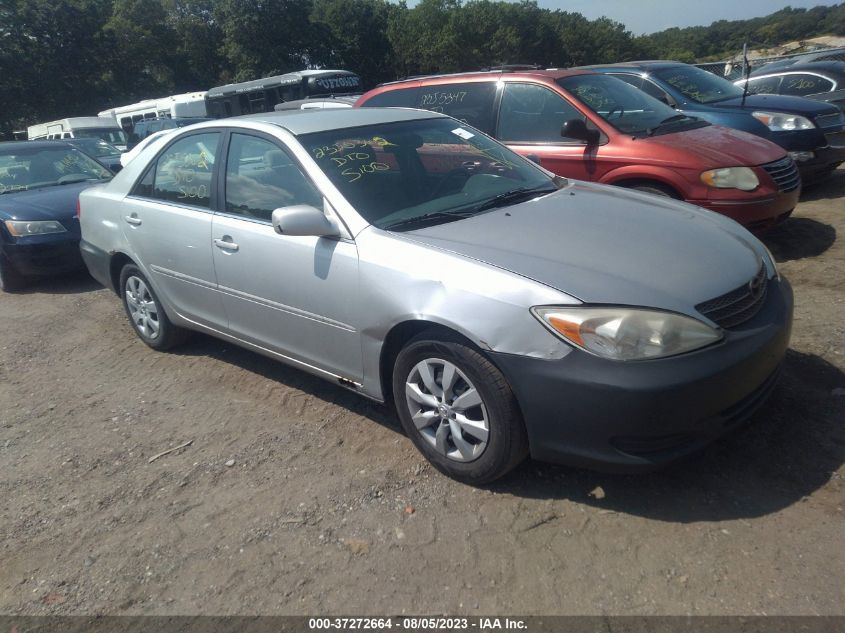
212, 194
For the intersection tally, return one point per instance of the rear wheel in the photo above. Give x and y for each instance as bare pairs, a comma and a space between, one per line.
458, 409
10, 278
145, 312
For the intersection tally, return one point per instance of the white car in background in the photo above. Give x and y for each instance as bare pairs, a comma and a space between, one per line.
126, 157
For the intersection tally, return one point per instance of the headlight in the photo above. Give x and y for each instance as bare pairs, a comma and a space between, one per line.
780, 122
742, 178
773, 267
22, 228
626, 333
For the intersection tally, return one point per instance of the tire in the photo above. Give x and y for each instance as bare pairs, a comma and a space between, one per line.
656, 190
145, 312
10, 279
477, 457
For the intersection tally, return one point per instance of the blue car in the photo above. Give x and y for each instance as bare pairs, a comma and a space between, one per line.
40, 183
812, 132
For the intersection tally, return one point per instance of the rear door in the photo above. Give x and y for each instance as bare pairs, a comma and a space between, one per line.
297, 296
167, 222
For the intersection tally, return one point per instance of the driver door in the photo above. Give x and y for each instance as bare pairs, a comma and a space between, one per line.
296, 296
530, 119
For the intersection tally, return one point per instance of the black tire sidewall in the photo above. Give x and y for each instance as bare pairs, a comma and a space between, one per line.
505, 445
10, 279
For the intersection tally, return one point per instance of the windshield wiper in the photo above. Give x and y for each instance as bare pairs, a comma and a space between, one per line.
512, 196
672, 119
427, 218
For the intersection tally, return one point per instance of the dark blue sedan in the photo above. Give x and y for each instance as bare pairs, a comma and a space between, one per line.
40, 183
812, 132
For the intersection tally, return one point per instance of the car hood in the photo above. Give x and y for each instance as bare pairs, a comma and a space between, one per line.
778, 103
719, 146
606, 245
47, 203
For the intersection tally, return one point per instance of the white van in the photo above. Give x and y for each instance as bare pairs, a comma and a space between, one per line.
187, 105
105, 128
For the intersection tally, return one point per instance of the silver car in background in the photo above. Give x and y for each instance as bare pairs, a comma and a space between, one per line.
412, 259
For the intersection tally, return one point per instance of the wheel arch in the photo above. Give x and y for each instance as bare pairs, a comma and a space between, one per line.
402, 332
117, 261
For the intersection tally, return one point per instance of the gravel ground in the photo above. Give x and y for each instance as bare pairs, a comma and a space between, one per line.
296, 497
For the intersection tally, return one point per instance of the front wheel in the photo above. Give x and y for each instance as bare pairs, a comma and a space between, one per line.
145, 312
458, 409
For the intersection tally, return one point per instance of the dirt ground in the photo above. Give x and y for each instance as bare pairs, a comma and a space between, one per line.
328, 508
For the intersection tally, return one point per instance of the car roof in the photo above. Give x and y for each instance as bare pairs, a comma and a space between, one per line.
308, 121
33, 144
552, 73
645, 64
831, 66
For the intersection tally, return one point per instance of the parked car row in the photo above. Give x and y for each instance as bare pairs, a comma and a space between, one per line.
436, 247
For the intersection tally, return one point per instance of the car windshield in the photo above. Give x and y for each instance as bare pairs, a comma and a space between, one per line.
409, 174
97, 148
32, 168
108, 134
628, 109
698, 84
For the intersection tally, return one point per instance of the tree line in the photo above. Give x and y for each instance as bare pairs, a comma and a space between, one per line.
76, 57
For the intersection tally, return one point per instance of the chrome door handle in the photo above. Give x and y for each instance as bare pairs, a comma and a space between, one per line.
226, 245
134, 220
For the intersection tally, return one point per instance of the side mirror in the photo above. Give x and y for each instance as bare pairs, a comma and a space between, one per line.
303, 219
577, 129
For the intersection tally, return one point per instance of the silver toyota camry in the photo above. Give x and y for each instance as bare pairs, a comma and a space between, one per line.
406, 256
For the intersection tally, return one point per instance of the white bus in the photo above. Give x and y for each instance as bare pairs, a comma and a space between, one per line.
188, 105
105, 128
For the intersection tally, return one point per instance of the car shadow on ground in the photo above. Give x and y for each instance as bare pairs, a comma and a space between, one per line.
831, 187
792, 446
798, 238
67, 283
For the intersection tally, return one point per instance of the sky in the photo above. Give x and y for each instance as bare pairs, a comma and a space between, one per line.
648, 16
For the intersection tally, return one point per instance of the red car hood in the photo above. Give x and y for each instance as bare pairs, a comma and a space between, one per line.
714, 143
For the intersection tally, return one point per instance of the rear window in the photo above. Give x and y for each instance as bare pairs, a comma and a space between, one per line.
399, 98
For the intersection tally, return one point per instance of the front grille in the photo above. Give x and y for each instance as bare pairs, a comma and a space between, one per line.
829, 120
739, 305
785, 174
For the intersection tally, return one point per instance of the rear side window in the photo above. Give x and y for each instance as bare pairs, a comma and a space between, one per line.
804, 84
183, 172
533, 114
400, 98
471, 103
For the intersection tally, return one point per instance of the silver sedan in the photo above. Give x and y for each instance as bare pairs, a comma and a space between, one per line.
408, 257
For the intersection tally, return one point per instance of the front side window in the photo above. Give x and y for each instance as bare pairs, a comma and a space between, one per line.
763, 85
408, 174
629, 110
533, 114
261, 177
698, 85
804, 84
183, 172
470, 102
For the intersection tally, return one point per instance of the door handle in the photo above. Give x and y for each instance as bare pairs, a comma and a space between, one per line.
226, 245
134, 220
